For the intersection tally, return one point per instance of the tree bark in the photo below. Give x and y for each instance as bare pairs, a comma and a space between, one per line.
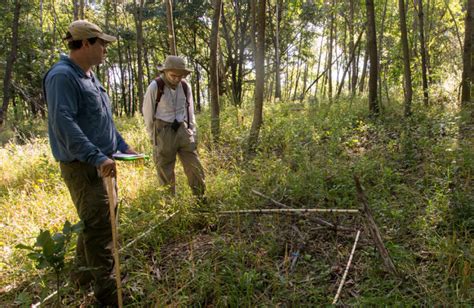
406, 58
468, 54
75, 10
354, 70
372, 49
123, 88
259, 22
330, 52
424, 53
171, 35
364, 69
139, 27
278, 10
10, 62
213, 70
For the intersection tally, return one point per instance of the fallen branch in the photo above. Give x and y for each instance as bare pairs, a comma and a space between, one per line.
317, 220
373, 229
268, 211
343, 280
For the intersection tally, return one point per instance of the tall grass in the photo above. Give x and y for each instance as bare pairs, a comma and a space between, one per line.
307, 156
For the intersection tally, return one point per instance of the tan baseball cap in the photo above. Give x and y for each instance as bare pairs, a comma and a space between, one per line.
82, 29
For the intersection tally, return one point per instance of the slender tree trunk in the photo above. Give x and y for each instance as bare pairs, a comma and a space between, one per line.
198, 87
364, 69
75, 4
197, 74
330, 51
259, 23
213, 70
354, 70
81, 9
424, 53
351, 60
121, 65
468, 57
139, 27
298, 68
372, 48
171, 35
278, 9
458, 34
406, 57
379, 52
10, 62
319, 66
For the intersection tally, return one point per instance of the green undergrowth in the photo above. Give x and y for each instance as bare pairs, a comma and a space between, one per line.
415, 172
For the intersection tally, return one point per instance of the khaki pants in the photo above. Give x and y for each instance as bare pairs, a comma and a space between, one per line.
94, 259
167, 144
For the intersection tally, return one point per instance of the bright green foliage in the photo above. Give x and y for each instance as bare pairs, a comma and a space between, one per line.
414, 172
49, 250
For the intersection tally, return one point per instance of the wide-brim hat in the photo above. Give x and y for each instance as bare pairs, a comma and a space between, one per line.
174, 63
83, 29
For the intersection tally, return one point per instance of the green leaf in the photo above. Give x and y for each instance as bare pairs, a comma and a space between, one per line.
35, 256
45, 241
78, 227
43, 264
23, 246
67, 227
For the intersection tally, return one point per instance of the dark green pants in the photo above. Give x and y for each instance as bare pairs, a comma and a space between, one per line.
94, 259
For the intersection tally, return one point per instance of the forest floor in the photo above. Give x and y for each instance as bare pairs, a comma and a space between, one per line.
417, 179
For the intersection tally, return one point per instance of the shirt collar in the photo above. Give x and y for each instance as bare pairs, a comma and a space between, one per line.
76, 67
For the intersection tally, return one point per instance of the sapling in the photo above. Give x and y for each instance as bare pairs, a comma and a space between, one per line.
49, 250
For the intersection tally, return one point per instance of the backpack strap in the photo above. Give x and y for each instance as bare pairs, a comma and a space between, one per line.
160, 83
161, 89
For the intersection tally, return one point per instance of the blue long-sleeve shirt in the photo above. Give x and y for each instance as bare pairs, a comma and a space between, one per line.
80, 121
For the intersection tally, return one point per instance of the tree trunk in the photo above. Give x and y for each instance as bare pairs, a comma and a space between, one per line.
372, 49
379, 52
121, 66
197, 87
468, 54
406, 58
171, 35
424, 53
139, 27
330, 51
298, 67
354, 70
10, 62
75, 9
259, 23
81, 9
364, 69
351, 60
278, 9
213, 70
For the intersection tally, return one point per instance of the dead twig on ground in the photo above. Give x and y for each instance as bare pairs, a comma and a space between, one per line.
343, 280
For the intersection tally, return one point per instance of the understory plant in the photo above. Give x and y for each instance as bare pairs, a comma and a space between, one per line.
49, 250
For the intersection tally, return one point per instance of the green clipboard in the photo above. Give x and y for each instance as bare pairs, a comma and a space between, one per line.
129, 157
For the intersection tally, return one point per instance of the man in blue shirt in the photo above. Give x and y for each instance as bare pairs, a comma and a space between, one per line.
83, 137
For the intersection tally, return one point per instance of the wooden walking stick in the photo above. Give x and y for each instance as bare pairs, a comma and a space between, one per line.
109, 185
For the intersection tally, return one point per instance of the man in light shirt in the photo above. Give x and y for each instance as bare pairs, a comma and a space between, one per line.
168, 111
